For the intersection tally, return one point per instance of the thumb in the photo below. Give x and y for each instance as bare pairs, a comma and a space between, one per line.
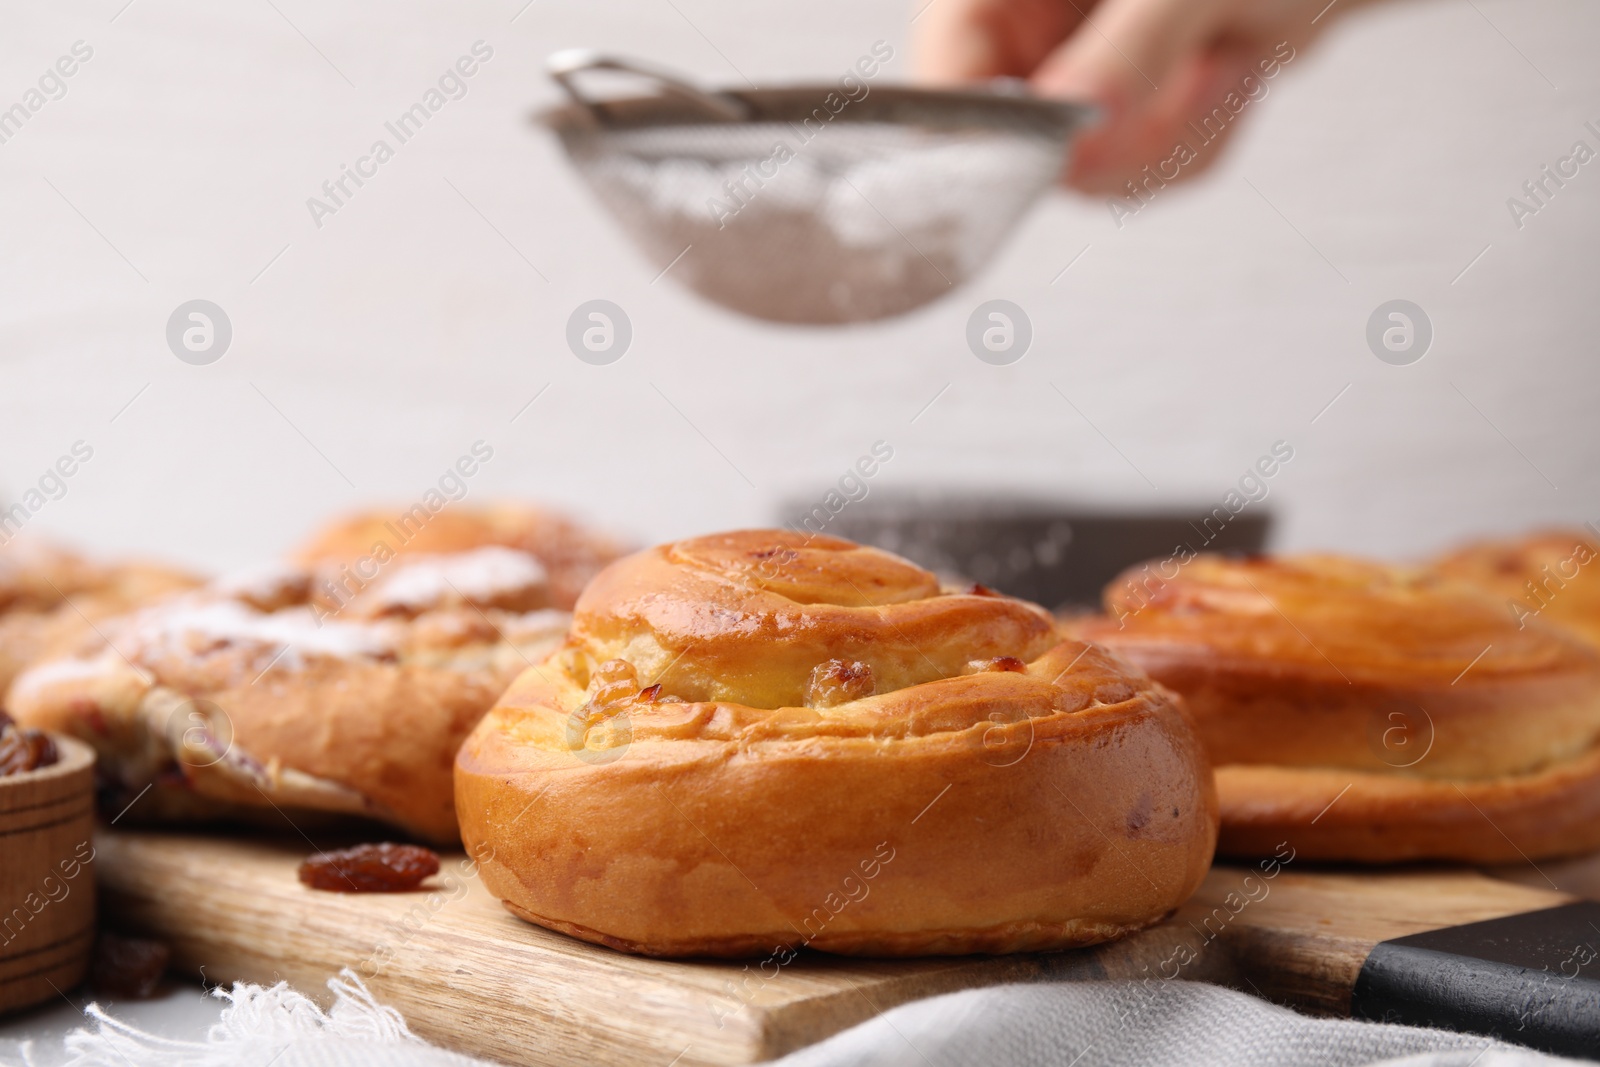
1125, 51
1132, 58
973, 40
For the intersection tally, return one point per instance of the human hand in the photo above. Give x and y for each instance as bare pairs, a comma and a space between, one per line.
1153, 66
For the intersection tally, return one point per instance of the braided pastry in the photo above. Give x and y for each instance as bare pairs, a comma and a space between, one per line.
52, 599
759, 741
1369, 713
290, 688
569, 553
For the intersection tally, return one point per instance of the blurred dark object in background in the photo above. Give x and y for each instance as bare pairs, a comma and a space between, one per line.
1056, 554
128, 968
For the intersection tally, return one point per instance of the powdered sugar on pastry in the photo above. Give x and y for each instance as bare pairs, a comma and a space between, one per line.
187, 628
536, 623
482, 576
265, 584
51, 672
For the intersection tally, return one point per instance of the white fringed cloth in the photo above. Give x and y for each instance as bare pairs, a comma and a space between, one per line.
1105, 1024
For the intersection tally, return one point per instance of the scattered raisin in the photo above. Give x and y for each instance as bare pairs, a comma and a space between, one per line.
651, 694
24, 749
384, 868
128, 967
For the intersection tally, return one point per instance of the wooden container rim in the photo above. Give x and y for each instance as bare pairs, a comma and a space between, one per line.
75, 757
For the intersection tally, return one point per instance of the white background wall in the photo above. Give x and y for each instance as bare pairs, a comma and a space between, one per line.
406, 328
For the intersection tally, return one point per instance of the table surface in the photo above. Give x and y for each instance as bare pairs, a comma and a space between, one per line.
180, 1010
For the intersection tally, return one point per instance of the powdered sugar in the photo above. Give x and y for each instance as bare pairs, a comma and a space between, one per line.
873, 217
543, 619
55, 671
535, 625
262, 583
189, 626
480, 576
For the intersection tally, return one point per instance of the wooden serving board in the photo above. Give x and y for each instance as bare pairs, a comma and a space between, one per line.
470, 976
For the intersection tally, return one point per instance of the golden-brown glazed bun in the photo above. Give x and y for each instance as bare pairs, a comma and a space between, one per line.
283, 688
1370, 713
570, 553
52, 599
760, 741
1550, 576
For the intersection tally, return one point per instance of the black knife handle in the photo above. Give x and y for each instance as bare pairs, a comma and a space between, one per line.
1533, 979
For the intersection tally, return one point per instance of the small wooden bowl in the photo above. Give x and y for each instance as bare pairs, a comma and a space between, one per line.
46, 877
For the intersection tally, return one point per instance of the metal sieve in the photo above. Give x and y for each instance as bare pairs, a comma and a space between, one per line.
804, 205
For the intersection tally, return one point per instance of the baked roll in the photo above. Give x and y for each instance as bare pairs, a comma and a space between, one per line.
761, 741
1370, 713
570, 554
52, 599
288, 687
1551, 576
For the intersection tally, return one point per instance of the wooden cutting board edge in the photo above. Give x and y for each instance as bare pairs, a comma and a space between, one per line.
1298, 938
181, 889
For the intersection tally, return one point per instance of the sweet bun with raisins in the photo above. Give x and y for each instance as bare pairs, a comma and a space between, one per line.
1552, 576
762, 740
1371, 713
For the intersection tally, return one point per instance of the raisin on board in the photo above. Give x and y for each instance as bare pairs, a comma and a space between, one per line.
381, 868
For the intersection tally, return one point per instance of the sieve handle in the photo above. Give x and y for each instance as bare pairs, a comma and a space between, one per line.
563, 66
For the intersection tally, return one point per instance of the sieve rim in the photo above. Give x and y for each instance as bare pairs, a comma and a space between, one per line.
949, 109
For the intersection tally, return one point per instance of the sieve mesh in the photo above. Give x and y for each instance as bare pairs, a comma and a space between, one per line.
797, 214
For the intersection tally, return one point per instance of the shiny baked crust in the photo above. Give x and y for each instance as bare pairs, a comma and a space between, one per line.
570, 553
1552, 576
51, 599
758, 741
1370, 713
280, 688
